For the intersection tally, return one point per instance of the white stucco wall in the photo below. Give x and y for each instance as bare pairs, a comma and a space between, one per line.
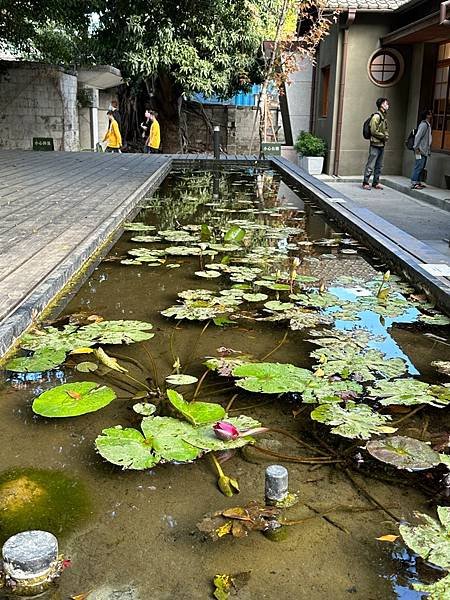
37, 100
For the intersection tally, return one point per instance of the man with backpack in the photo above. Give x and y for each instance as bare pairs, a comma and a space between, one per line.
376, 130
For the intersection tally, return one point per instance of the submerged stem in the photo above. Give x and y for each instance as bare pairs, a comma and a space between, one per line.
276, 347
369, 496
199, 384
192, 353
410, 414
298, 459
153, 365
298, 440
129, 359
333, 509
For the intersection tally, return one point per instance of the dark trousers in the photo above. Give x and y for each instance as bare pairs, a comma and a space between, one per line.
112, 150
374, 164
148, 150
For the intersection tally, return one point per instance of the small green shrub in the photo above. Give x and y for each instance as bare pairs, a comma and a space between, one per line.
308, 144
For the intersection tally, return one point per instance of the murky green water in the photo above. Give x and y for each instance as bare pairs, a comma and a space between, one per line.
139, 537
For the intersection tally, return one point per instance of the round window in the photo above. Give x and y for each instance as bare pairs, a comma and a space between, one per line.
386, 67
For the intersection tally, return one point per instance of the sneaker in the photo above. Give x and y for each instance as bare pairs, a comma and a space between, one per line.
377, 186
366, 186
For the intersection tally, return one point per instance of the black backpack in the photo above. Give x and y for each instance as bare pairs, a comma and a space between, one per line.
410, 139
367, 134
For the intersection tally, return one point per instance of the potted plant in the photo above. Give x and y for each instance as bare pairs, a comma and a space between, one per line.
311, 150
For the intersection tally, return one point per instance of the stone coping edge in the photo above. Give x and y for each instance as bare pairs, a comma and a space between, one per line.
94, 246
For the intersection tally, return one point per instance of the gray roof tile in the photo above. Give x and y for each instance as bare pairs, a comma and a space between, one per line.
384, 5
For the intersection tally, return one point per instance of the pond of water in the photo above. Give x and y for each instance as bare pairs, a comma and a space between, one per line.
132, 533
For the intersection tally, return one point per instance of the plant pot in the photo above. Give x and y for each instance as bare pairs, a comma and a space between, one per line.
312, 164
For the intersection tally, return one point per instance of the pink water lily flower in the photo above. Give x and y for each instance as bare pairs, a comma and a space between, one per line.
227, 432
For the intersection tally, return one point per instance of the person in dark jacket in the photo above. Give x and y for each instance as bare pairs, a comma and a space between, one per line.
422, 148
378, 138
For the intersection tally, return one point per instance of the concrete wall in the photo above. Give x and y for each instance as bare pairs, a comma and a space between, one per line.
325, 127
359, 103
298, 96
37, 100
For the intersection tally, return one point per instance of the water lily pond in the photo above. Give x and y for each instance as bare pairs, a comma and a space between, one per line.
231, 327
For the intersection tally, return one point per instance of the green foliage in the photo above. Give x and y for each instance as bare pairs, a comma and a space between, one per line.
354, 421
308, 144
439, 590
430, 540
42, 360
73, 399
196, 413
407, 392
404, 453
272, 378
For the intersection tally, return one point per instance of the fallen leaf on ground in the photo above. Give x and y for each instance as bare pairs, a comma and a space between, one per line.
387, 538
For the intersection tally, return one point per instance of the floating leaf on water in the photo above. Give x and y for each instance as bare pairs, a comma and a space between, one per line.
68, 338
73, 399
119, 332
86, 367
173, 235
166, 435
209, 274
144, 408
387, 538
437, 319
198, 294
223, 321
354, 421
431, 539
276, 305
137, 226
183, 251
205, 438
404, 453
255, 297
404, 391
234, 234
442, 366
149, 239
439, 590
324, 391
364, 366
272, 378
42, 360
197, 413
181, 379
316, 300
109, 361
82, 351
302, 319
356, 338
271, 285
224, 247
126, 448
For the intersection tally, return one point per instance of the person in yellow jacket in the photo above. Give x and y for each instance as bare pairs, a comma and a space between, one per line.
154, 138
112, 137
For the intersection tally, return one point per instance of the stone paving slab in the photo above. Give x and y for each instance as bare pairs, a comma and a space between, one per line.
56, 210
426, 223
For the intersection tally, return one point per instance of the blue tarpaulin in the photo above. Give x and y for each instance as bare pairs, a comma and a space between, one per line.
240, 99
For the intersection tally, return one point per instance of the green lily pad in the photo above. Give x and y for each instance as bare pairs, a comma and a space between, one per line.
404, 453
204, 437
272, 285
255, 297
356, 338
324, 391
430, 540
438, 319
138, 227
365, 366
66, 339
148, 239
404, 391
119, 332
86, 367
234, 234
224, 247
197, 413
183, 251
166, 435
442, 366
276, 305
272, 378
354, 421
42, 360
73, 399
181, 379
210, 274
144, 408
439, 590
126, 448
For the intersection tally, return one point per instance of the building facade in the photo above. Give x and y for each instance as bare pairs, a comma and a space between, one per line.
397, 49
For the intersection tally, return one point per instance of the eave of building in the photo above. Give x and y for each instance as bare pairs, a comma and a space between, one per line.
427, 29
101, 77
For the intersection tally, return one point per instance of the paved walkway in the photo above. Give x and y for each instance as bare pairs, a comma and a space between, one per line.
56, 210
426, 223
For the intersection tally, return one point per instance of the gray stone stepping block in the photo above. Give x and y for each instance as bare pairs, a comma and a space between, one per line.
276, 483
29, 554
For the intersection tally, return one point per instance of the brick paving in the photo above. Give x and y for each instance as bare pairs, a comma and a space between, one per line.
56, 210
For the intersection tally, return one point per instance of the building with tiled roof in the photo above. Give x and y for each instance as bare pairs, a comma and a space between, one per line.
395, 49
